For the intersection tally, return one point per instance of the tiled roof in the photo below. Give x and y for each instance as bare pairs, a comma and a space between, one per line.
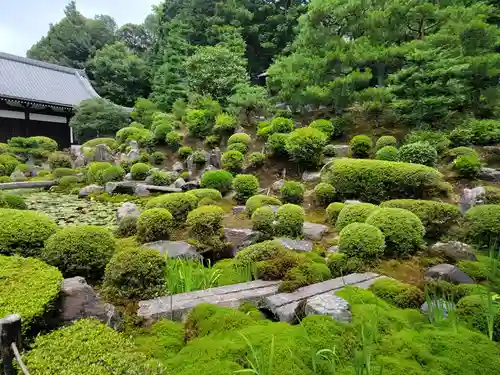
36, 81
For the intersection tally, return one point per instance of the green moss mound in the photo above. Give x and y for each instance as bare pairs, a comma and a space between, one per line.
361, 240
400, 294
163, 340
476, 310
354, 213
24, 232
179, 205
212, 194
30, 288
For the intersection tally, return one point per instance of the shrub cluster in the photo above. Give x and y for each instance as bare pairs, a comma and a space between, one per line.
184, 152
240, 147
95, 172
282, 125
438, 140
113, 173
476, 132
245, 186
361, 240
218, 180
404, 296
467, 166
289, 221
324, 194
305, 146
232, 161
354, 213
256, 159
361, 146
178, 204
154, 224
162, 178
324, 126
259, 252
127, 227
292, 192
225, 124
258, 201
56, 160
276, 144
418, 153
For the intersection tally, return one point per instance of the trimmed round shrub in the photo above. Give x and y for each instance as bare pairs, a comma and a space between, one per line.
80, 251
218, 180
178, 204
467, 166
305, 146
154, 224
354, 213
110, 142
134, 274
282, 125
324, 126
304, 274
30, 288
289, 221
482, 225
332, 212
256, 159
10, 164
24, 232
13, 201
259, 252
245, 186
88, 347
324, 194
389, 153
404, 296
436, 217
361, 240
205, 222
140, 171
127, 227
418, 153
265, 132
225, 124
276, 144
62, 172
95, 172
212, 194
45, 143
361, 146
492, 195
114, 173
162, 178
232, 160
258, 201
240, 147
386, 140
402, 229
184, 152
240, 138
5, 179
173, 140
262, 220
438, 140
292, 192
139, 134
56, 160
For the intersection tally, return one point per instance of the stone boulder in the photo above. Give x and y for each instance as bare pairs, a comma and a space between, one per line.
277, 185
329, 304
128, 177
471, 197
175, 249
127, 209
448, 272
314, 232
179, 183
103, 153
91, 189
240, 238
191, 185
178, 167
296, 245
454, 250
238, 210
439, 305
342, 151
18, 176
79, 161
311, 176
78, 301
489, 174
141, 190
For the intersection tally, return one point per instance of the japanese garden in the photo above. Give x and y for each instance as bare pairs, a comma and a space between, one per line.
255, 186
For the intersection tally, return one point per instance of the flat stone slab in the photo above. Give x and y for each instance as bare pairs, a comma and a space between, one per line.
296, 245
240, 238
27, 185
175, 249
130, 187
284, 305
177, 307
331, 305
314, 232
448, 272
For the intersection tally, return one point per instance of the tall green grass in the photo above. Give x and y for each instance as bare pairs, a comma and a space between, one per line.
182, 276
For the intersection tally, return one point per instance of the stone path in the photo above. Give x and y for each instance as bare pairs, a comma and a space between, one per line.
263, 294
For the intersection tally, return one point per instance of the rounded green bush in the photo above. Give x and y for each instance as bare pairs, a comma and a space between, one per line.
240, 138
184, 152
212, 194
140, 171
56, 160
438, 140
256, 159
240, 147
386, 140
139, 134
324, 126
205, 221
173, 140
114, 173
354, 213
361, 240
262, 220
418, 153
305, 146
482, 225
475, 312
289, 221
13, 201
30, 288
5, 179
134, 274
245, 186
232, 160
361, 146
45, 143
304, 274
404, 296
110, 142
162, 178
218, 180
265, 132
154, 224
389, 153
95, 172
467, 166
281, 125
24, 232
276, 144
436, 217
127, 227
178, 204
80, 251
63, 172
402, 229
259, 252
258, 201
332, 212
324, 194
292, 192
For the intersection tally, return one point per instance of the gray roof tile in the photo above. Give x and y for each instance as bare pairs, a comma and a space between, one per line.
32, 80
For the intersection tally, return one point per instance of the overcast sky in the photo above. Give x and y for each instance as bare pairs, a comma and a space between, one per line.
24, 22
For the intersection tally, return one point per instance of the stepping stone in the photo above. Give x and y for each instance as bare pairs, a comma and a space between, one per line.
448, 272
331, 305
175, 249
296, 245
240, 238
314, 232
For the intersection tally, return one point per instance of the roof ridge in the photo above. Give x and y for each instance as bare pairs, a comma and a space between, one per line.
41, 64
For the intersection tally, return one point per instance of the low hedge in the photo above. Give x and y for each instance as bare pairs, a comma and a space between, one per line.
289, 221
258, 201
437, 217
154, 224
83, 250
482, 225
378, 180
30, 288
361, 240
179, 205
404, 296
354, 213
24, 232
